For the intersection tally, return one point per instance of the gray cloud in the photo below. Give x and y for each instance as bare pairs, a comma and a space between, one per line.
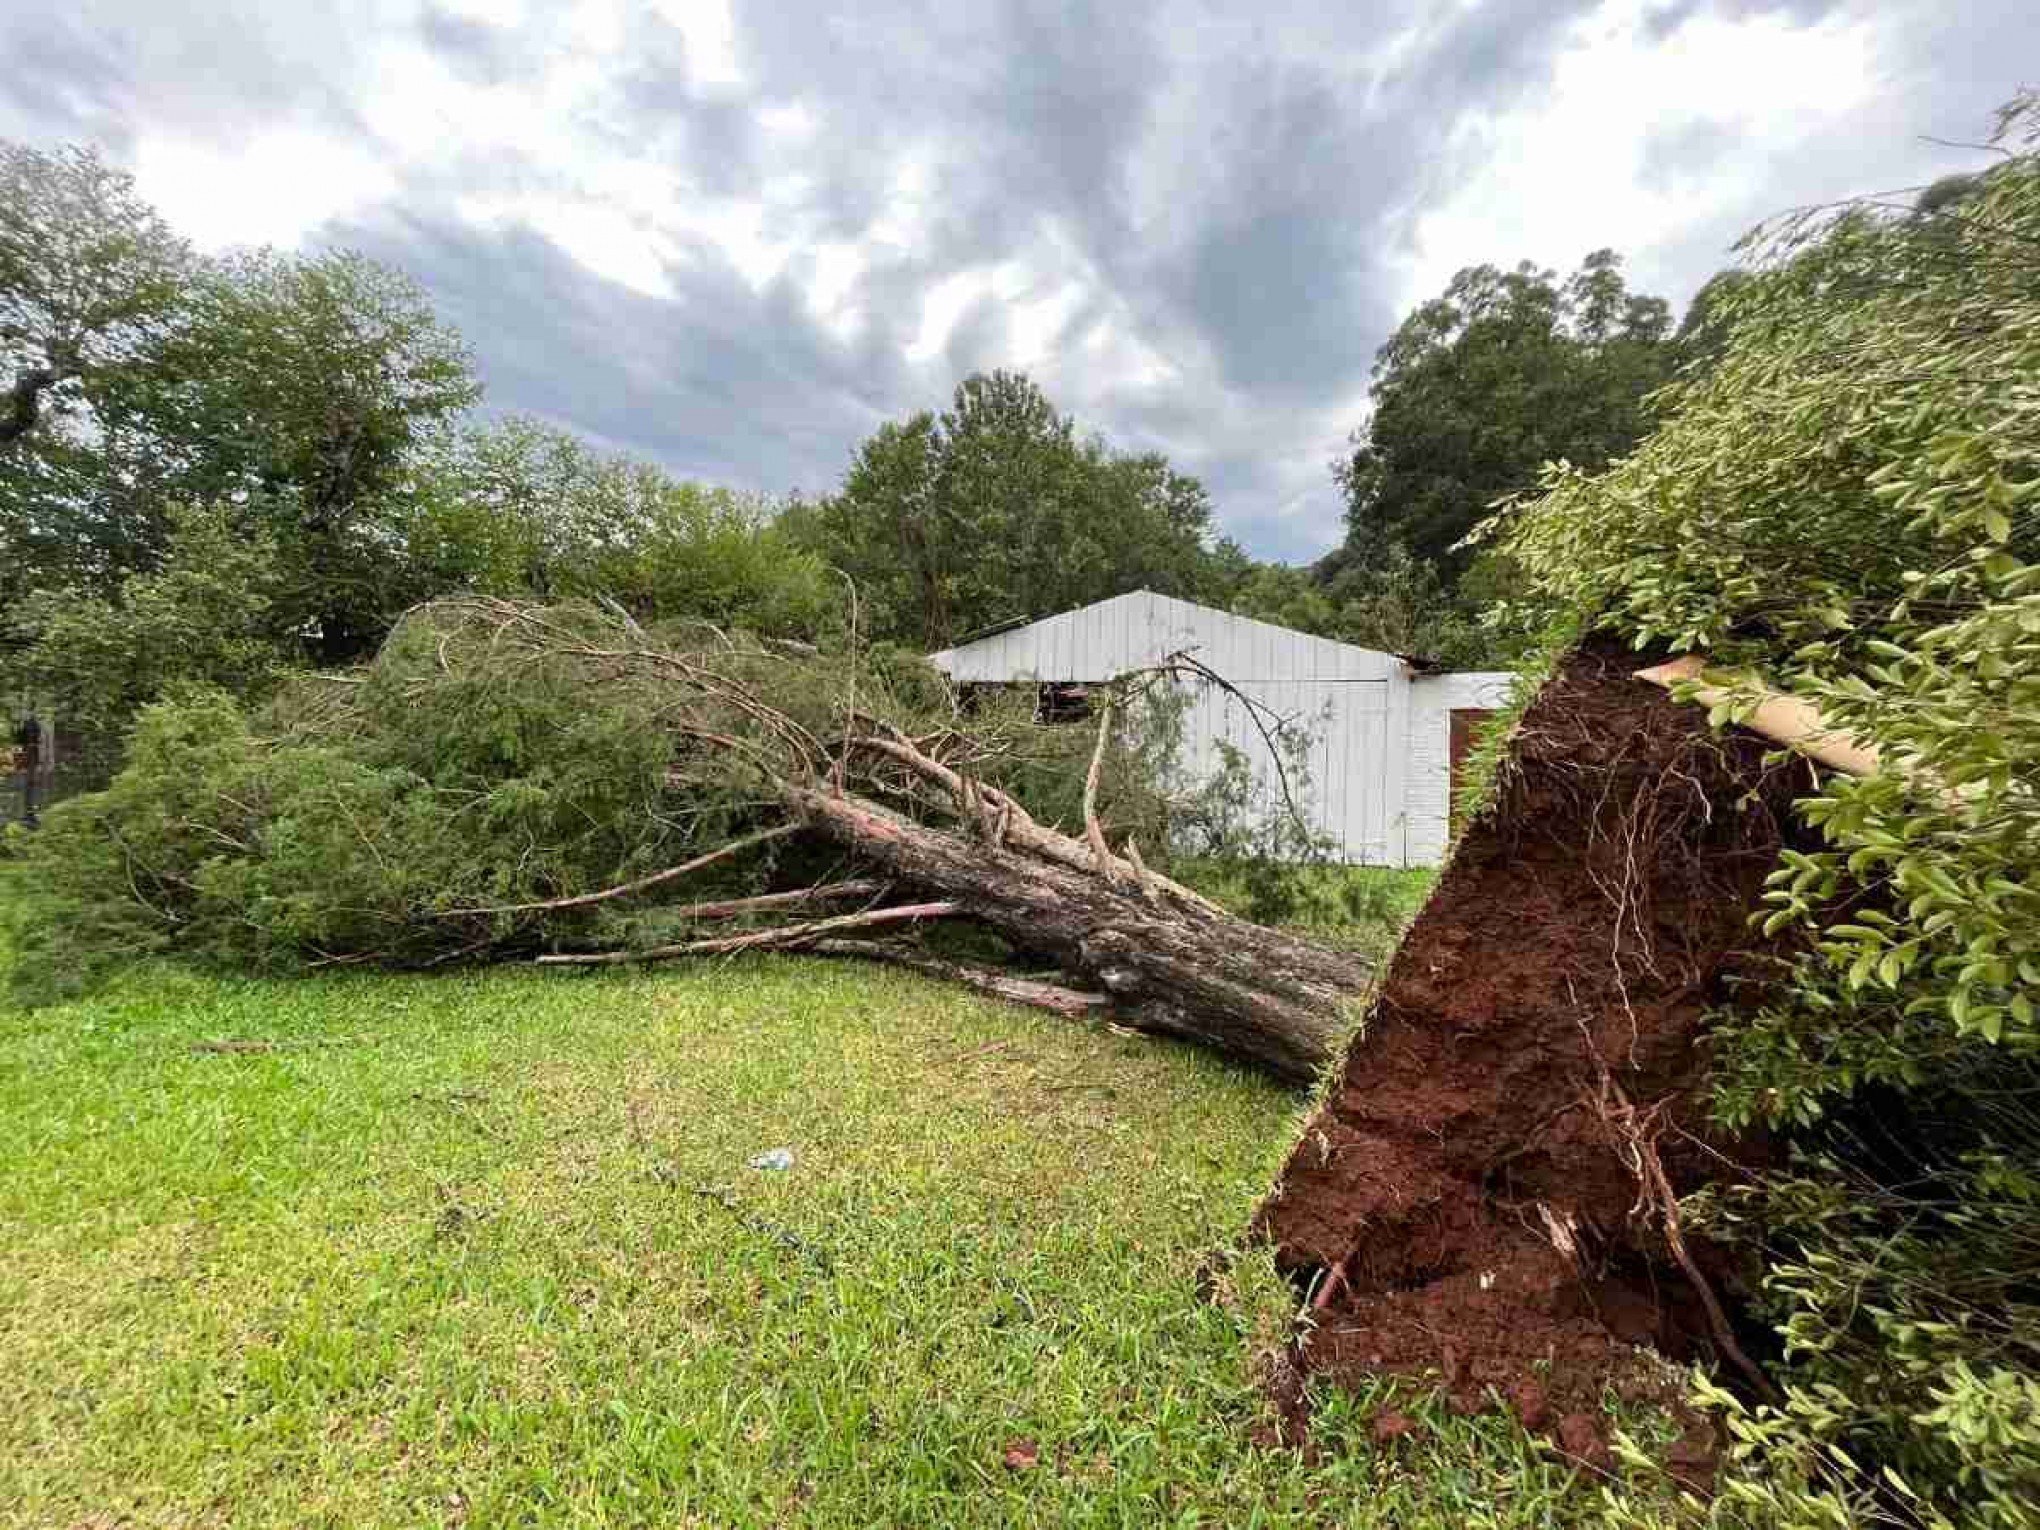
719, 382
476, 51
1664, 17
1227, 208
70, 83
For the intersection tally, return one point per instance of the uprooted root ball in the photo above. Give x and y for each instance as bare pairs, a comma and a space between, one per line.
1487, 1195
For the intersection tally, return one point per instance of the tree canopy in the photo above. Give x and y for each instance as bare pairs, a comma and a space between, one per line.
89, 277
996, 510
295, 389
1482, 385
514, 507
215, 468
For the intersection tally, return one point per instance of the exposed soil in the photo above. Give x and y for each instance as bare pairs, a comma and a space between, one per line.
1473, 1201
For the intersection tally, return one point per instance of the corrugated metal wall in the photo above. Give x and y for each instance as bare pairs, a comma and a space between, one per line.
1127, 632
1340, 692
1343, 795
1379, 764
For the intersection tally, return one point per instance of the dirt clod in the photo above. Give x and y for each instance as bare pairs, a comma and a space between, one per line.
1579, 1436
1391, 1425
1475, 1175
1531, 1405
1694, 1456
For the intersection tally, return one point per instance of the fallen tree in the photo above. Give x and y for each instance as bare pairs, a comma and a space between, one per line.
515, 782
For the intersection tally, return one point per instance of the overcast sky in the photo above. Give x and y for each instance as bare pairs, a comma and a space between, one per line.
736, 236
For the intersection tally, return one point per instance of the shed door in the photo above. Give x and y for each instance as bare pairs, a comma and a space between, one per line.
1345, 758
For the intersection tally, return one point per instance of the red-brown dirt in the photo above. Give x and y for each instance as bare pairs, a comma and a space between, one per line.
1471, 1202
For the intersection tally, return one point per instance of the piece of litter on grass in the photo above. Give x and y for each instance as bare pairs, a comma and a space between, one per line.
778, 1160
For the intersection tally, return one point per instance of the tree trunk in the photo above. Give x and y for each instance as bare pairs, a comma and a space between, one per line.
1194, 973
24, 403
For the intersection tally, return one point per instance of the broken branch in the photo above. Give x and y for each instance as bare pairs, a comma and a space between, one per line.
786, 937
1071, 1003
642, 884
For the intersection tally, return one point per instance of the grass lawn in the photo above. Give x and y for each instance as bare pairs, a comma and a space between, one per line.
484, 1250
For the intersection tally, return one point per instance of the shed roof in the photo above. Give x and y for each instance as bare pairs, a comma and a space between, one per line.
1098, 642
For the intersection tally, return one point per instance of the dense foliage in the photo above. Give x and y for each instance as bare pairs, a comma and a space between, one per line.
496, 756
1483, 385
90, 277
998, 510
1475, 391
210, 613
1848, 503
215, 470
515, 508
298, 390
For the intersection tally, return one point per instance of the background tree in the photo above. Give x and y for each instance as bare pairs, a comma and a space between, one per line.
1374, 594
1481, 386
997, 510
293, 391
513, 507
90, 277
300, 388
208, 615
316, 408
1703, 331
92, 282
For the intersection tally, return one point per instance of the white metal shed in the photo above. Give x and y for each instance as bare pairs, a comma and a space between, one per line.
1384, 736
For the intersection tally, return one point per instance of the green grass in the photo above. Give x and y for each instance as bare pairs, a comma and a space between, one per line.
1361, 907
438, 1256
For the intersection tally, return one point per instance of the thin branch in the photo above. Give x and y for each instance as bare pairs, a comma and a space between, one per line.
1958, 143
624, 890
736, 908
787, 937
850, 710
1199, 670
1072, 1003
1094, 834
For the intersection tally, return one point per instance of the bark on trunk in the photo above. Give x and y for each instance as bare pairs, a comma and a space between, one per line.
1197, 974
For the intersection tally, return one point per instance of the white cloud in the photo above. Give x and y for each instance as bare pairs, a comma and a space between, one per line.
1569, 172
711, 39
540, 148
1035, 323
946, 303
604, 239
269, 189
792, 118
495, 13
